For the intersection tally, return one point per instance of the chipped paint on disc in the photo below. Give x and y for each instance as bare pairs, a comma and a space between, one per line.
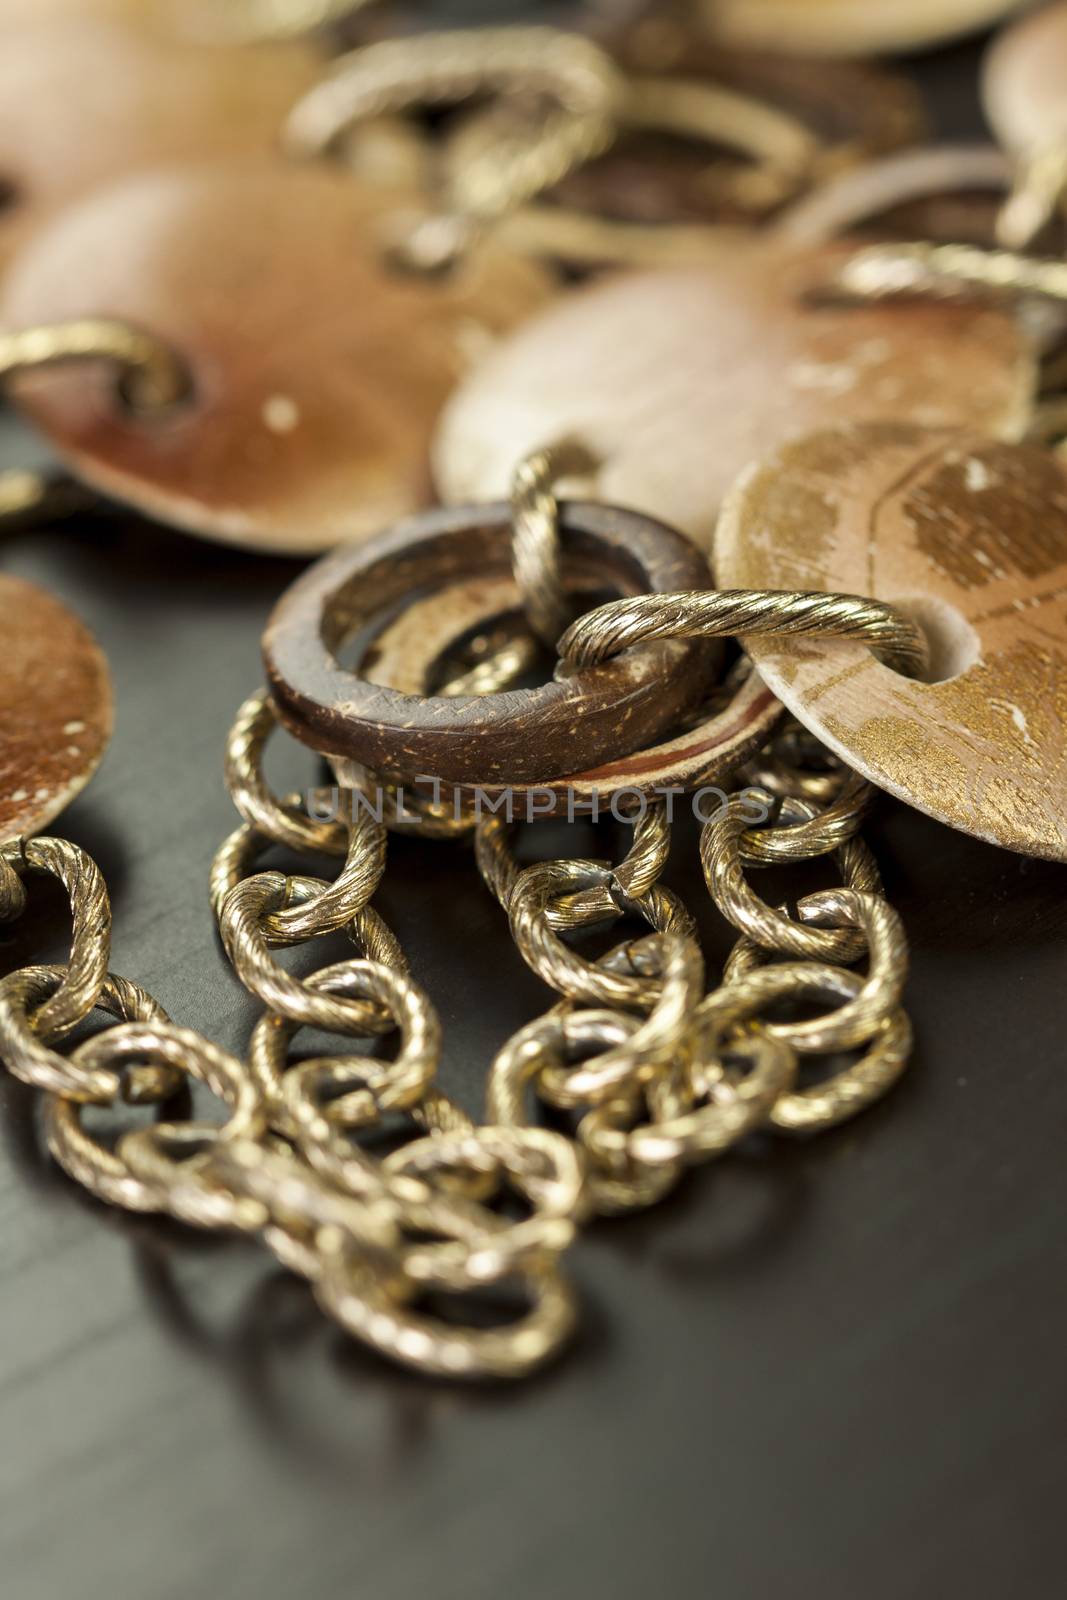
970, 537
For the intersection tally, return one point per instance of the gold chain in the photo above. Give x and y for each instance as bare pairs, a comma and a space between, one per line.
659, 1072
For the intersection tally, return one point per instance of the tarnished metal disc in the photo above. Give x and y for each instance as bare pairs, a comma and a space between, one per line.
1024, 81
83, 102
55, 707
318, 366
678, 379
849, 27
970, 537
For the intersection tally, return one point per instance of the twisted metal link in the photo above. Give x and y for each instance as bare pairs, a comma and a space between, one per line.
816, 834
535, 540
605, 899
877, 998
276, 820
847, 1092
728, 613
241, 924
881, 271
153, 377
1038, 190
552, 1043
576, 77
26, 1048
82, 982
721, 855
705, 1121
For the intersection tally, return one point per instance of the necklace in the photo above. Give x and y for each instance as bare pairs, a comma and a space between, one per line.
885, 613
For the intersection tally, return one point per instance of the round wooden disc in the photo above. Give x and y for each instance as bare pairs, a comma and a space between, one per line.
849, 27
318, 369
517, 735
55, 707
678, 379
1024, 79
970, 537
85, 101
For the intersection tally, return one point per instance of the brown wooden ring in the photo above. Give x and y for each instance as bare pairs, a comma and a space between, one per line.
561, 726
734, 723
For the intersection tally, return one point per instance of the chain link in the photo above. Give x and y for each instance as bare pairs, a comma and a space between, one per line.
151, 375
578, 86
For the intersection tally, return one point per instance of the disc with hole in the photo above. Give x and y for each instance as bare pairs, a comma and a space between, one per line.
967, 535
55, 707
678, 379
849, 27
317, 364
85, 101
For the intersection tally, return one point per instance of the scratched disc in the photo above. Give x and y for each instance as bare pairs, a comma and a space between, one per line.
83, 102
677, 379
969, 536
317, 365
55, 707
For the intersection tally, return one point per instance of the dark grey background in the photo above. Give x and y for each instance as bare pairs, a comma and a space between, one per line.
829, 1369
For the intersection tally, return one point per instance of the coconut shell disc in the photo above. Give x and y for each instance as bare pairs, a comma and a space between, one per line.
849, 27
55, 707
970, 537
1024, 86
317, 367
83, 102
678, 379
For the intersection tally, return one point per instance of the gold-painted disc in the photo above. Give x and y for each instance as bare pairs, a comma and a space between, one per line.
970, 537
55, 707
318, 366
849, 27
676, 380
